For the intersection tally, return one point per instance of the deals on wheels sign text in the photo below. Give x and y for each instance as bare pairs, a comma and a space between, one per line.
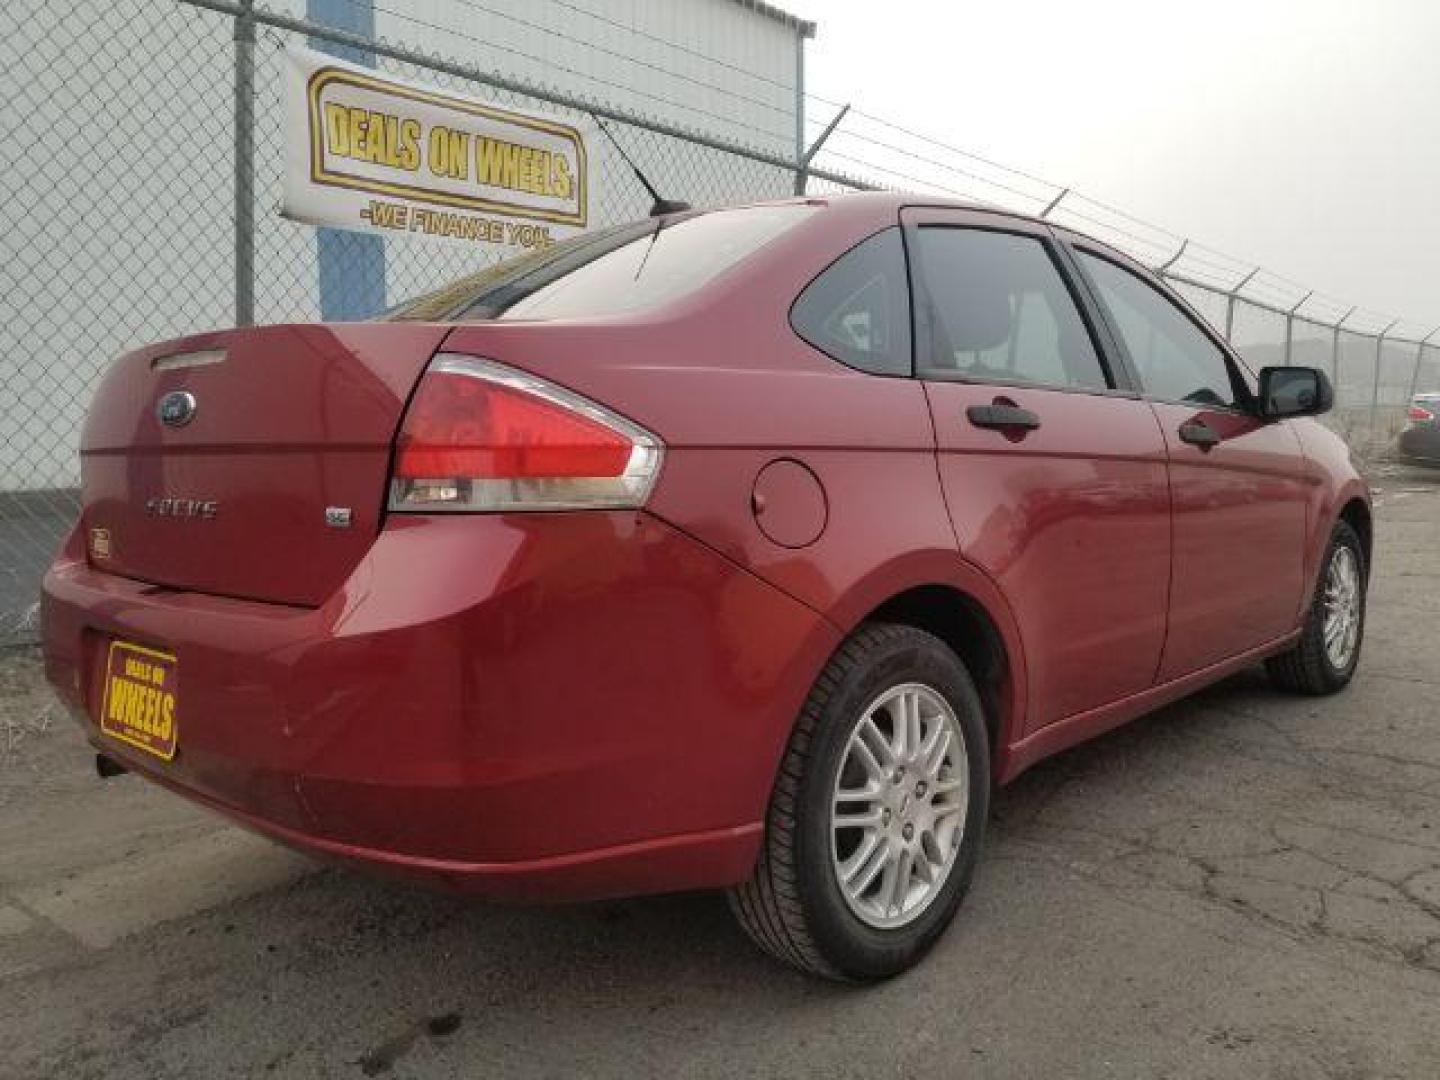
376, 154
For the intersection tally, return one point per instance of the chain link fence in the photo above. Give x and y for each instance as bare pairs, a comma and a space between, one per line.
125, 210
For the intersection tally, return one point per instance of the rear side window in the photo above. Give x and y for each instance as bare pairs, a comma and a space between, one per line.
997, 309
1174, 358
858, 310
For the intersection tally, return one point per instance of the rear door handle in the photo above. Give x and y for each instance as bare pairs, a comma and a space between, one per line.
1200, 434
1002, 417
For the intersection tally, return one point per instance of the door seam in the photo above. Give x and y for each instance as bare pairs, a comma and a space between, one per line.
1170, 518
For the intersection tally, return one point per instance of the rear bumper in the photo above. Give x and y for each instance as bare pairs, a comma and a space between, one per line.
550, 706
1421, 441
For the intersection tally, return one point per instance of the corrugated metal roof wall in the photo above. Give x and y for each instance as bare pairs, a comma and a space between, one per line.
715, 66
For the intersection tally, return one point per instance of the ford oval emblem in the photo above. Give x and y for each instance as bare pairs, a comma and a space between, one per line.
177, 408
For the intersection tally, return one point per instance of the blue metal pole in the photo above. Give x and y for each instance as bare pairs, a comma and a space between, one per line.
352, 264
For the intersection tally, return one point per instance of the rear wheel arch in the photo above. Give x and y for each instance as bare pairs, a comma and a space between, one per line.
968, 628
934, 591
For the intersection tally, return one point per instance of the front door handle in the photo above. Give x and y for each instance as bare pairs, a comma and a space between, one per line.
1002, 417
1198, 433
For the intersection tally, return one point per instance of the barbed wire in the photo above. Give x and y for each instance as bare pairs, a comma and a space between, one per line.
1267, 285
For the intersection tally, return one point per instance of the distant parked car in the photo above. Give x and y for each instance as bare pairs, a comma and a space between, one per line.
1421, 437
742, 549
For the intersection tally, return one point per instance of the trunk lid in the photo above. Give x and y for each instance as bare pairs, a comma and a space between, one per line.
289, 427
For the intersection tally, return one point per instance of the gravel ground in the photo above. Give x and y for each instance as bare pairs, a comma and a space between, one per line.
1243, 885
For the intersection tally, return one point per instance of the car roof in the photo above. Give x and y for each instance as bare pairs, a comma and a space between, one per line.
891, 203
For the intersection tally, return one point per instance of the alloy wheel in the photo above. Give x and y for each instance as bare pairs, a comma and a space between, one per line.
1342, 607
899, 806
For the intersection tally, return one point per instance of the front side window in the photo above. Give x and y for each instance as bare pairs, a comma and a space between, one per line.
997, 309
858, 309
1173, 357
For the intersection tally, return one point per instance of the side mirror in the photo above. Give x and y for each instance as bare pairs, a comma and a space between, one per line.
1294, 391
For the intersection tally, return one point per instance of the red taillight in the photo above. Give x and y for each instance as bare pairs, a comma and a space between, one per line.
461, 426
1419, 415
482, 436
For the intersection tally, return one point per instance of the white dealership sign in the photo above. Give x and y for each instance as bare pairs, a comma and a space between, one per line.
377, 154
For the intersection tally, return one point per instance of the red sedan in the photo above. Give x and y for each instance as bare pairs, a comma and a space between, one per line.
743, 549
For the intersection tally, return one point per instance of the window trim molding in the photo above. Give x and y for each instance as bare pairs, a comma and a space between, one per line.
940, 375
1119, 381
908, 312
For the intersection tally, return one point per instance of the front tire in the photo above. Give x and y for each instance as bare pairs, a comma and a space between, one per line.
1324, 659
878, 812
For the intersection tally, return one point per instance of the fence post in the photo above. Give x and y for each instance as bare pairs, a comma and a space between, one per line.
245, 164
1419, 356
1375, 393
1335, 351
802, 167
799, 109
1230, 299
1290, 324
1173, 258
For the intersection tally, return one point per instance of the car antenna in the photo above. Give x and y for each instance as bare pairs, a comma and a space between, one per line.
661, 206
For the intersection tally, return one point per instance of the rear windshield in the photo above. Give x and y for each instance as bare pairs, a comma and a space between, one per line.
609, 271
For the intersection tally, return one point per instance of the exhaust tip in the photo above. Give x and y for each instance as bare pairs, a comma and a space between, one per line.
107, 767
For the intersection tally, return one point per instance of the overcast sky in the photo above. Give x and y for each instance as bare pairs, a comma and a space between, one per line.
1301, 134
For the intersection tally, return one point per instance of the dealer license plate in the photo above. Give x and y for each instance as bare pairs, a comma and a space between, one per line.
140, 707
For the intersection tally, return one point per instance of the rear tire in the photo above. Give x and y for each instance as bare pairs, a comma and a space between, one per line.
1318, 664
923, 796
